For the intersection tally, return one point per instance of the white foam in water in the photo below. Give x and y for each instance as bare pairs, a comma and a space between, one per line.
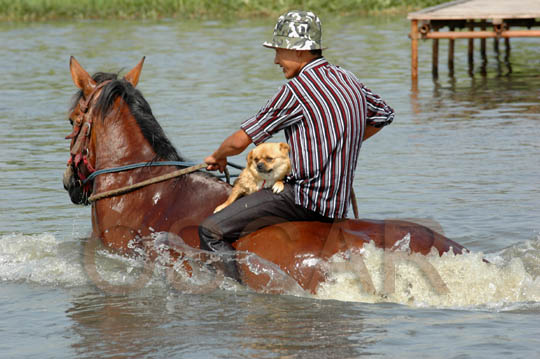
41, 259
440, 281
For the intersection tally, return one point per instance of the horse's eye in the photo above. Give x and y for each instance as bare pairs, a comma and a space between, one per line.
71, 121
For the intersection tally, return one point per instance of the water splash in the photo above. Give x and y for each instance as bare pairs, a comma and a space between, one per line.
470, 281
511, 280
196, 264
40, 259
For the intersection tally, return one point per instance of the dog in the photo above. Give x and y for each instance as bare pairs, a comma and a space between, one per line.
267, 166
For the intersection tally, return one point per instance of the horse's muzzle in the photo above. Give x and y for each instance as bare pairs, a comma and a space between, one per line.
74, 187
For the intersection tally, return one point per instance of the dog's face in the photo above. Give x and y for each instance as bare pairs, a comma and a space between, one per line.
269, 160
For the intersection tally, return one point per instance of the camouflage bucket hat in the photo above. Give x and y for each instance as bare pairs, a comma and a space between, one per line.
297, 30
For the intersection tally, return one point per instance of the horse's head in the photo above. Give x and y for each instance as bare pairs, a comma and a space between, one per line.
81, 162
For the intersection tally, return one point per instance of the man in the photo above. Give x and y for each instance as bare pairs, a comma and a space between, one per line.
325, 113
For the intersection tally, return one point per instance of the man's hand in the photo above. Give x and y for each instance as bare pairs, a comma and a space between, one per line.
215, 164
233, 145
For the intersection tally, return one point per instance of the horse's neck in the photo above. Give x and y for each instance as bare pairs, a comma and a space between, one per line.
121, 142
161, 207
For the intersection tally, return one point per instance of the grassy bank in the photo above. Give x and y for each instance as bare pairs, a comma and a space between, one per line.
42, 10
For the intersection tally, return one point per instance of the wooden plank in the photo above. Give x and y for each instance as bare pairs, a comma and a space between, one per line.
480, 34
480, 10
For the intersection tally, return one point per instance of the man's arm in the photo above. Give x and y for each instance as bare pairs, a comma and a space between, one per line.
233, 145
370, 131
379, 114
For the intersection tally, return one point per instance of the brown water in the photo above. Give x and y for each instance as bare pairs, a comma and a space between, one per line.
464, 152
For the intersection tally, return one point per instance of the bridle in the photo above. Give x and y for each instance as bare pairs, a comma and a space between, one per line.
80, 139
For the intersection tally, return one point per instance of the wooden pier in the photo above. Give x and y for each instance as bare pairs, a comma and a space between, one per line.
472, 19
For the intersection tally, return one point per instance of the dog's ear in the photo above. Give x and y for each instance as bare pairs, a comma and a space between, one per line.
249, 157
283, 147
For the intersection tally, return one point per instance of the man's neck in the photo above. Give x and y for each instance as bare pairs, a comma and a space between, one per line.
309, 59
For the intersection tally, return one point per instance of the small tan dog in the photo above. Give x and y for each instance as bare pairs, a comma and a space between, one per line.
267, 166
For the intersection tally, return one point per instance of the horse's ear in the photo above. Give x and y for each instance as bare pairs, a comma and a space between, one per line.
81, 78
133, 76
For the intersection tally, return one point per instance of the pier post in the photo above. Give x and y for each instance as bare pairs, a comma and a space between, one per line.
497, 55
414, 51
435, 57
451, 54
483, 70
507, 54
471, 51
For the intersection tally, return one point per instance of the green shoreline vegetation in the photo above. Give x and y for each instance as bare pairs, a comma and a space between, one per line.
45, 10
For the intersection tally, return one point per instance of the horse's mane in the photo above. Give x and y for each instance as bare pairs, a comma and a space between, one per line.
140, 109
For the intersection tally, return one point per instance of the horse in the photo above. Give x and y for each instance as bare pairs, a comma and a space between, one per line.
113, 128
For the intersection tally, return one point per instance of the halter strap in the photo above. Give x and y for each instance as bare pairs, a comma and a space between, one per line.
83, 105
126, 189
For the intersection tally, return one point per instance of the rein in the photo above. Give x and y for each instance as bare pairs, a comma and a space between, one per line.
126, 189
134, 166
151, 164
115, 192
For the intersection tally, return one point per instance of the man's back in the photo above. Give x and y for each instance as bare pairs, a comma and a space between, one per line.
326, 142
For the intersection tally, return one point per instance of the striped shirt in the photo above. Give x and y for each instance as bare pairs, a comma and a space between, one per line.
323, 112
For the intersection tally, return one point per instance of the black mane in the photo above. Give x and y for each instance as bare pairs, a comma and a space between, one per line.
140, 109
